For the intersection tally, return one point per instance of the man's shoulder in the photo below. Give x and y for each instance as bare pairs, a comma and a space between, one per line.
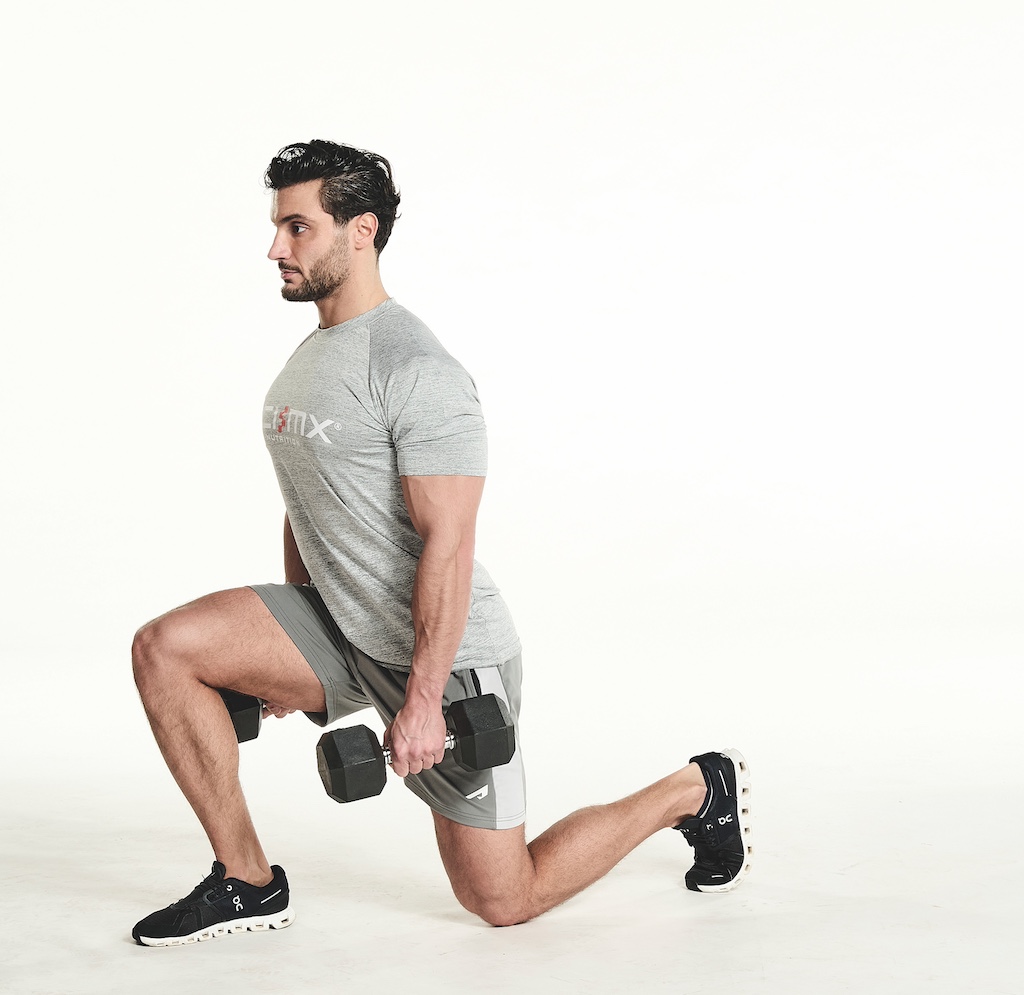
398, 340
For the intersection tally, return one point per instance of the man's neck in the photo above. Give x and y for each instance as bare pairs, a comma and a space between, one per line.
350, 301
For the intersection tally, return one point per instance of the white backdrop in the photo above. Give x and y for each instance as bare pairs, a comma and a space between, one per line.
739, 285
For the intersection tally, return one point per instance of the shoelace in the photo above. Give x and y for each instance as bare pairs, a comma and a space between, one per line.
210, 881
695, 836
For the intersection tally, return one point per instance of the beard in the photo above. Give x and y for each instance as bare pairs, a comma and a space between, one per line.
325, 276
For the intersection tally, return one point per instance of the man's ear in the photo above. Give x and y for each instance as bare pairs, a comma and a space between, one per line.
364, 230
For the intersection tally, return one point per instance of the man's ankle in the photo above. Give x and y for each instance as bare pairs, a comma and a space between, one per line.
258, 875
693, 794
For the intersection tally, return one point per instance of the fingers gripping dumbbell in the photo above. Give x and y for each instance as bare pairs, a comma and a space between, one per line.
353, 764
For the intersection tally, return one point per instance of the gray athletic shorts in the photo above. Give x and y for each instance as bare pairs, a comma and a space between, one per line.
488, 799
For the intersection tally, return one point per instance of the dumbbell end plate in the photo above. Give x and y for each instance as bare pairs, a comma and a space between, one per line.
351, 764
485, 736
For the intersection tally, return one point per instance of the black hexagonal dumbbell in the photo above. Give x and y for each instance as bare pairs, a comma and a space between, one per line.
353, 764
246, 713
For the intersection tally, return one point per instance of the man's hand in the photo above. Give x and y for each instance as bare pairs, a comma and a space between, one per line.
416, 739
280, 711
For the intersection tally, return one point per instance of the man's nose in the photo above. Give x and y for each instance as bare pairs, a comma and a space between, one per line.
278, 249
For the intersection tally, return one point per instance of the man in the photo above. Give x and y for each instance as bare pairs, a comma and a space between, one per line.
379, 446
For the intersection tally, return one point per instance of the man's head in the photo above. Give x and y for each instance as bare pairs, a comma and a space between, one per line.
354, 182
332, 204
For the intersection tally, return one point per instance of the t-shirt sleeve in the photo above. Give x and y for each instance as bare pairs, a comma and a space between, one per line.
434, 415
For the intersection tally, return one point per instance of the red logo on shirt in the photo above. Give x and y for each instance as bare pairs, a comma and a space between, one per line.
289, 421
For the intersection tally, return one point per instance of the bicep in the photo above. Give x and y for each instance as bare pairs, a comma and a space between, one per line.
443, 506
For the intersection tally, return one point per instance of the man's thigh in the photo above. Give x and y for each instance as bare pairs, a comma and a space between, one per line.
489, 869
231, 640
300, 611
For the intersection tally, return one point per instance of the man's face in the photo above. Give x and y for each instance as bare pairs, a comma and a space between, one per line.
311, 251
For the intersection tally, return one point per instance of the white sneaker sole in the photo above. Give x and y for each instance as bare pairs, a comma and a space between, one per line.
743, 815
251, 924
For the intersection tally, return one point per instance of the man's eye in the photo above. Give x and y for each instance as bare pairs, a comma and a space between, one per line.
299, 229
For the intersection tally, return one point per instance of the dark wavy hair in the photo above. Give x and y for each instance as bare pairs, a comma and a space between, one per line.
355, 181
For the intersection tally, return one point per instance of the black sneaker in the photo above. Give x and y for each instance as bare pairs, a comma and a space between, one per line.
720, 832
218, 905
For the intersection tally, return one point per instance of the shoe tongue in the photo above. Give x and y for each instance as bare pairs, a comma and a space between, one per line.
710, 797
218, 870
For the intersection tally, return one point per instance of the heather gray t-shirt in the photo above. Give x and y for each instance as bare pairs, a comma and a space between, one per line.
358, 406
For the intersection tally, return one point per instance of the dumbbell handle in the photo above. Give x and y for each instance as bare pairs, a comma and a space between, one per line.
449, 744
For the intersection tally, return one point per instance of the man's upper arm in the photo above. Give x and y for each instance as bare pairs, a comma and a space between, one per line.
443, 507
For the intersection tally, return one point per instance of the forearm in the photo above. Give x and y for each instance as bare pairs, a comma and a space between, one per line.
443, 512
295, 571
440, 609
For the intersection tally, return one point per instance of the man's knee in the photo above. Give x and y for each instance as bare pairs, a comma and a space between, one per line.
158, 648
503, 899
496, 906
491, 871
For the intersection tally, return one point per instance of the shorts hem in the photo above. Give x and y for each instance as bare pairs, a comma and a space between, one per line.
464, 818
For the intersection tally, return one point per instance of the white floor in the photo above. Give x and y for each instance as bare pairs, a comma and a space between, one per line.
874, 871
